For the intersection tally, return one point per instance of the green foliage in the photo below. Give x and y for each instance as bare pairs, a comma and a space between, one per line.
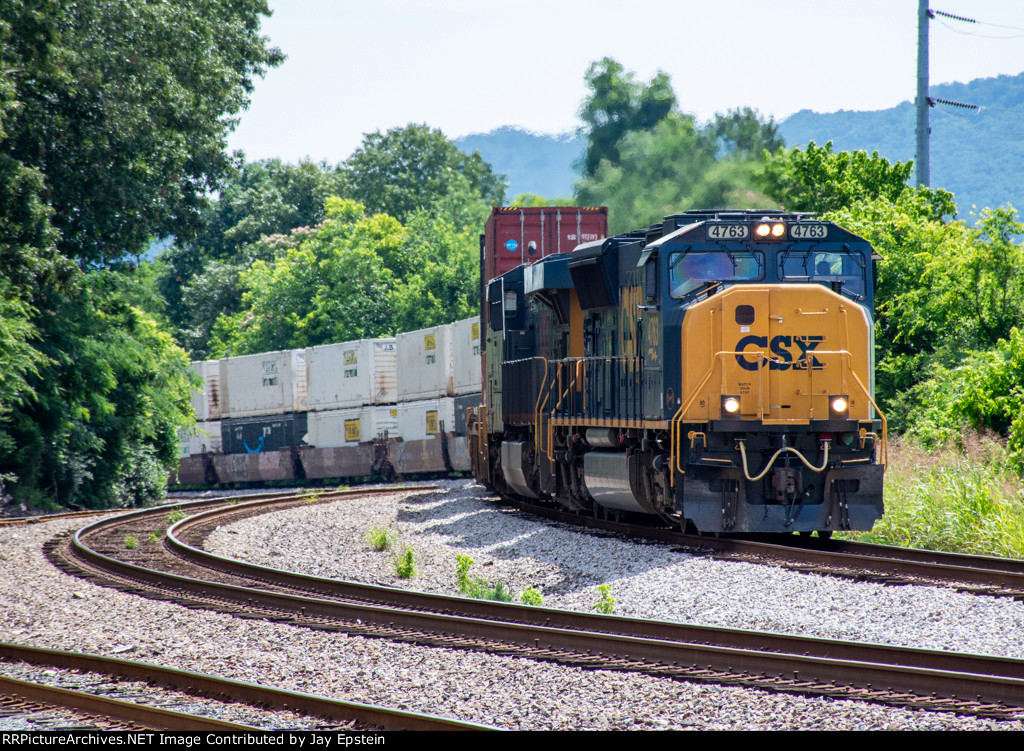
606, 603
125, 119
327, 284
130, 542
175, 516
154, 536
472, 586
262, 200
646, 159
962, 496
102, 429
405, 566
381, 538
818, 179
617, 105
412, 168
531, 596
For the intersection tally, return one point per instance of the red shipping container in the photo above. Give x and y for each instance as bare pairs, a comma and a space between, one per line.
514, 236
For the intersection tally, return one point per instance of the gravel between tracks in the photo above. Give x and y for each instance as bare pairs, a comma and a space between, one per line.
43, 607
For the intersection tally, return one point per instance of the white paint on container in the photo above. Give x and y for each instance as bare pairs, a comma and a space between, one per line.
349, 427
264, 384
204, 438
424, 419
424, 363
466, 364
352, 374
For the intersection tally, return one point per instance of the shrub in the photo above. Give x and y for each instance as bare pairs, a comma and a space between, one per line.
606, 604
472, 586
381, 538
531, 596
175, 516
130, 542
405, 567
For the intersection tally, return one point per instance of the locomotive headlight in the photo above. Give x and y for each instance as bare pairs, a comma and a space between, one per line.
763, 230
839, 406
731, 405
778, 229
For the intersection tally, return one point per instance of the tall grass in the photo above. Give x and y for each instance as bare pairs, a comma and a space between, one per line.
962, 497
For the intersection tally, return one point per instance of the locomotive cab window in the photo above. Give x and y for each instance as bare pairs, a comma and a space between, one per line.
695, 269
825, 267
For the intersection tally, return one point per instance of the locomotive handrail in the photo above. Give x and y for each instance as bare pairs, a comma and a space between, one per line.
539, 406
675, 450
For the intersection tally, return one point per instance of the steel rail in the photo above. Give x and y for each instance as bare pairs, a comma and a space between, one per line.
141, 715
984, 680
334, 710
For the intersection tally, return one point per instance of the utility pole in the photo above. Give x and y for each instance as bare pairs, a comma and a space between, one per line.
923, 130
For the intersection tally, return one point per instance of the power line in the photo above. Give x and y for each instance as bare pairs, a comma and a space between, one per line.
933, 100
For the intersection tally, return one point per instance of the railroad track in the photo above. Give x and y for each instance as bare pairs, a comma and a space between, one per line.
970, 684
977, 574
110, 712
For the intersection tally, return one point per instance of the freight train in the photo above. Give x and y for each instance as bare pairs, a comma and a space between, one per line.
715, 371
389, 407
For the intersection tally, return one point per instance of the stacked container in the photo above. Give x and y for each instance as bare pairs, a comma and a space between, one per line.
271, 383
205, 438
352, 374
206, 401
349, 427
418, 421
425, 363
466, 367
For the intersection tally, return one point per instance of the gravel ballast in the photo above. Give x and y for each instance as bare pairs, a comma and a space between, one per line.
44, 607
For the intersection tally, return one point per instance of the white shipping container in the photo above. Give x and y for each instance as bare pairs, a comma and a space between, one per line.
466, 365
352, 374
206, 401
424, 363
265, 384
203, 439
348, 427
423, 419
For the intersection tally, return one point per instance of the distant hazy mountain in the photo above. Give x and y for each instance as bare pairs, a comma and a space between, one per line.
534, 162
976, 155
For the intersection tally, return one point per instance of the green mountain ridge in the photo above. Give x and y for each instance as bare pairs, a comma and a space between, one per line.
974, 153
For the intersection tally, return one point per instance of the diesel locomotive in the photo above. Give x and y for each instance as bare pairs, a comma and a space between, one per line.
715, 370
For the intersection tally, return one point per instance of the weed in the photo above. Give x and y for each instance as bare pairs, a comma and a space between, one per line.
405, 567
531, 596
341, 487
175, 516
606, 604
472, 586
963, 496
381, 538
130, 542
154, 536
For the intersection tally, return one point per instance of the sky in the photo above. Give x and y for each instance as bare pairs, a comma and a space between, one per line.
468, 66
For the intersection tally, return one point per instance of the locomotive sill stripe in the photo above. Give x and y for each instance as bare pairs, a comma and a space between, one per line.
593, 422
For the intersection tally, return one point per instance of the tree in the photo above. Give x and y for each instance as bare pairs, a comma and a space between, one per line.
331, 283
262, 199
819, 180
411, 168
665, 170
742, 132
618, 104
124, 107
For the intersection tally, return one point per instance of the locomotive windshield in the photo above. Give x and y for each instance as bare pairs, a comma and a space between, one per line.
694, 269
825, 267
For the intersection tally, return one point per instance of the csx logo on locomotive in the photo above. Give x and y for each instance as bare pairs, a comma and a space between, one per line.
783, 347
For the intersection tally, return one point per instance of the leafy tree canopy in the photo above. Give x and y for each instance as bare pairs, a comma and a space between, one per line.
619, 104
123, 107
411, 168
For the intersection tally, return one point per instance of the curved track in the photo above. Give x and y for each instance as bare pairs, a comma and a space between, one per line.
981, 685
